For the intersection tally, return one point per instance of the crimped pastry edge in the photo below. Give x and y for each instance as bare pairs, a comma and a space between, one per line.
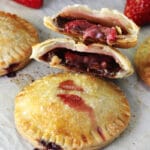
99, 146
25, 57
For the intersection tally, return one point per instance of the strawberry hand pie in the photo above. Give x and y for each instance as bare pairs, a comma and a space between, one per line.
71, 112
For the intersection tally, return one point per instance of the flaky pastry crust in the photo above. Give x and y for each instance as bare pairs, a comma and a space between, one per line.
16, 39
142, 61
41, 116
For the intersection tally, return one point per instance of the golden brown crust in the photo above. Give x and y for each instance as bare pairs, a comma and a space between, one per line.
41, 115
105, 16
142, 61
126, 44
16, 38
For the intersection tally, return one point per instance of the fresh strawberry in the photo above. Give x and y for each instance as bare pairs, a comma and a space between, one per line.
138, 11
31, 3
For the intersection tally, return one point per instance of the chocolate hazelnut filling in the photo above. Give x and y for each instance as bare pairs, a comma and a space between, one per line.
90, 31
11, 68
97, 64
49, 145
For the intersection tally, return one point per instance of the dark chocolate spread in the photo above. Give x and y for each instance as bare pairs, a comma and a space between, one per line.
48, 146
97, 64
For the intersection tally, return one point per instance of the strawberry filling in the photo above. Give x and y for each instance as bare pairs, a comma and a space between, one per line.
91, 32
97, 64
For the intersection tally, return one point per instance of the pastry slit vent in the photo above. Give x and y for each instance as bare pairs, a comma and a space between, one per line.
77, 103
100, 132
91, 31
84, 139
97, 64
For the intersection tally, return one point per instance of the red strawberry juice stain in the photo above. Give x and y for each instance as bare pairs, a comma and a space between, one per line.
84, 138
100, 132
70, 85
77, 103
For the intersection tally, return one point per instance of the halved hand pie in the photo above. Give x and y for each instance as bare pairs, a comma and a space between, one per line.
92, 26
142, 61
96, 59
17, 36
71, 112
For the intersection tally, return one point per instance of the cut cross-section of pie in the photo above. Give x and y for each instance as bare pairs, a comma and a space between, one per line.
17, 36
94, 26
71, 112
95, 59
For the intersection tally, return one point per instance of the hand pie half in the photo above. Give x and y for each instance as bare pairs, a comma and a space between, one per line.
142, 61
17, 36
96, 59
71, 112
94, 26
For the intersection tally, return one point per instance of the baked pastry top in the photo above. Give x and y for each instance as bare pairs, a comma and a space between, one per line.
16, 38
142, 61
71, 112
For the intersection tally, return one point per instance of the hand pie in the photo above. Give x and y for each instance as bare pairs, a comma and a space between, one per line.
142, 61
96, 59
71, 112
16, 38
95, 26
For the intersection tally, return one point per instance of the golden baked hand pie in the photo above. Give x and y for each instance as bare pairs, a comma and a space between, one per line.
71, 112
142, 61
89, 26
16, 38
96, 59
